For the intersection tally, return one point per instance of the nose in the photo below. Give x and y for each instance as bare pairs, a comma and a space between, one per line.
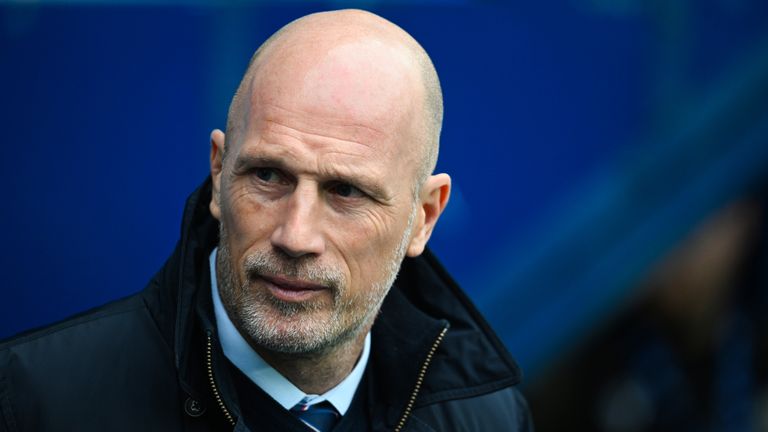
298, 232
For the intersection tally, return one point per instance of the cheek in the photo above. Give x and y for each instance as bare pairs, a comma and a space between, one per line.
247, 221
366, 244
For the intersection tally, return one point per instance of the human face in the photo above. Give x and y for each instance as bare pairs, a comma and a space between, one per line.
299, 327
316, 213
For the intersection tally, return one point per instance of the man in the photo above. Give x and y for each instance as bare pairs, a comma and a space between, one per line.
279, 309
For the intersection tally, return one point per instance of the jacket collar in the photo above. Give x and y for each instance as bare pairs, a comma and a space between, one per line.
470, 360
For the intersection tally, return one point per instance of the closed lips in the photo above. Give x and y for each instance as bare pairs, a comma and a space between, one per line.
292, 284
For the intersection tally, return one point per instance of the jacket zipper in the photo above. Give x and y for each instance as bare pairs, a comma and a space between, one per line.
403, 418
216, 394
420, 380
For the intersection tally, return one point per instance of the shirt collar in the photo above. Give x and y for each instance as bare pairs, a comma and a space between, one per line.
237, 350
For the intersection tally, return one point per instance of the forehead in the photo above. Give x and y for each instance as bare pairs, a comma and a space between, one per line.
360, 97
326, 148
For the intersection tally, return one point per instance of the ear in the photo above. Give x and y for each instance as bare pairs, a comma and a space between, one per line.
434, 197
217, 151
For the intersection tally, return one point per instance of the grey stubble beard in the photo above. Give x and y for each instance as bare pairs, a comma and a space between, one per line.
306, 328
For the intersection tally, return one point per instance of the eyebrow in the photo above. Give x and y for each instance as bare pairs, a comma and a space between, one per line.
244, 162
367, 184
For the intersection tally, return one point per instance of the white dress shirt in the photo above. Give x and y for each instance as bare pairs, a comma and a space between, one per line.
240, 353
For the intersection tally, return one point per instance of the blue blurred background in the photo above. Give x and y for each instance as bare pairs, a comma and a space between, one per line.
587, 139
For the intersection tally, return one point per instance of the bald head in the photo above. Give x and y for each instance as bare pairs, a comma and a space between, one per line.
357, 64
333, 135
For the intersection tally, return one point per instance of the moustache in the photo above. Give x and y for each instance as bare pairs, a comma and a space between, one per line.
270, 264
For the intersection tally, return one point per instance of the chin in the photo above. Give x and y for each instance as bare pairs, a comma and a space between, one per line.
300, 332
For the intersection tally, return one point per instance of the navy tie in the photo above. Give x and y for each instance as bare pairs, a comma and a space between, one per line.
321, 417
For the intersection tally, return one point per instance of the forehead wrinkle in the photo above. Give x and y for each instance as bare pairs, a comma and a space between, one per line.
270, 130
327, 165
315, 138
265, 155
312, 122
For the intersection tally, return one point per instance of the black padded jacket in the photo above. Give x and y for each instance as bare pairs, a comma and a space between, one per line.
151, 362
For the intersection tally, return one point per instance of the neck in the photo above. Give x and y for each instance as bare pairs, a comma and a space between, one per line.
320, 372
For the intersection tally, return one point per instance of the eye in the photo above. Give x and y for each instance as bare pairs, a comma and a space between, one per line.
346, 190
267, 175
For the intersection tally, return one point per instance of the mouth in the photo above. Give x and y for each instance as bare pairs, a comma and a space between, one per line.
292, 290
